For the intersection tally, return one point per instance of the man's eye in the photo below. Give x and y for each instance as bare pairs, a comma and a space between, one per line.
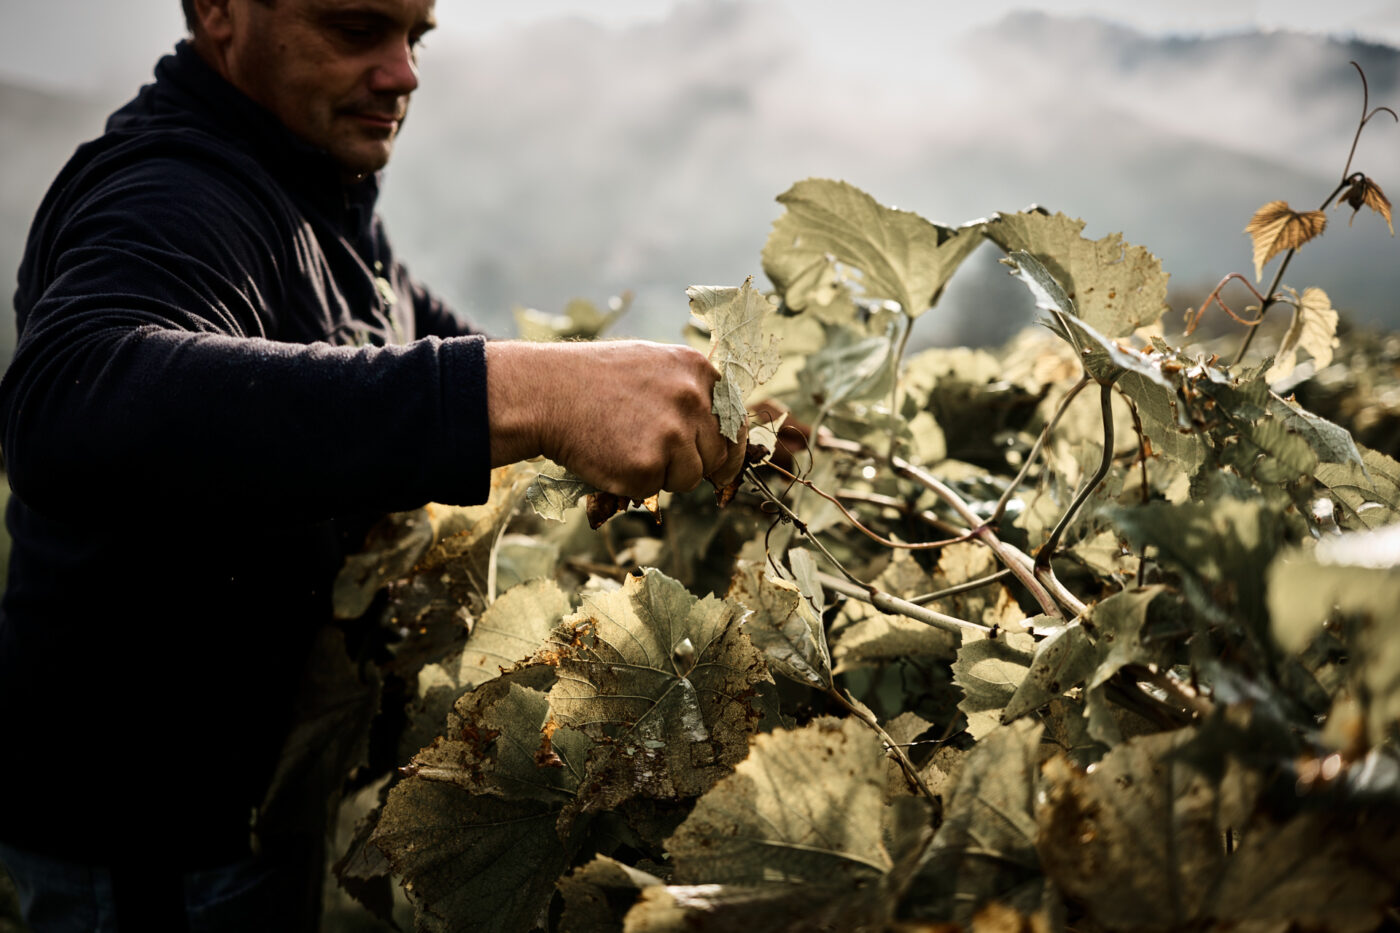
357, 33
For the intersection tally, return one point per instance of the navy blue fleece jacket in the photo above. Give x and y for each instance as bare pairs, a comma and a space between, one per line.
222, 375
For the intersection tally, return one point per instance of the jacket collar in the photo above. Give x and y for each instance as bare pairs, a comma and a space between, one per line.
187, 87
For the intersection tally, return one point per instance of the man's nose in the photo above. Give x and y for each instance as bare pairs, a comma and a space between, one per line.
396, 71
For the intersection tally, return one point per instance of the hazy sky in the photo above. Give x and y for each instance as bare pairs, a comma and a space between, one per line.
549, 159
108, 47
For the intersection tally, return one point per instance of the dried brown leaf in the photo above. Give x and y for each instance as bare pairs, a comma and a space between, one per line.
1366, 193
1276, 227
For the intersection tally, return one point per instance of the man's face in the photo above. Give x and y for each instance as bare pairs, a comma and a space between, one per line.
337, 73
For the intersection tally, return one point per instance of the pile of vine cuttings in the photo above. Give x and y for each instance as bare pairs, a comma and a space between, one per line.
1093, 632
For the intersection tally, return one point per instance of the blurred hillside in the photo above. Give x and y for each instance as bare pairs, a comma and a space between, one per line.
572, 159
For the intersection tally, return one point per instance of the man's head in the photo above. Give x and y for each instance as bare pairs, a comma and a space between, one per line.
337, 73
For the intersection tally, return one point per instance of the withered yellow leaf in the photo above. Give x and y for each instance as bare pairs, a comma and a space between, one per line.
1314, 328
1276, 227
1366, 193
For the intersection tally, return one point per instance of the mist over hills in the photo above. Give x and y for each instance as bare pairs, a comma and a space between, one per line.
570, 159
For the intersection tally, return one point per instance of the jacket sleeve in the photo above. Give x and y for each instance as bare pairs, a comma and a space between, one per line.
144, 375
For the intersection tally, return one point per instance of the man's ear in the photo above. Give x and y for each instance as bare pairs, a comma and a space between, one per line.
214, 20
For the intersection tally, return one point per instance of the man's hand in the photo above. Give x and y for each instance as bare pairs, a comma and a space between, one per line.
629, 416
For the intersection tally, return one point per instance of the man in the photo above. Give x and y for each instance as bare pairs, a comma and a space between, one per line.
222, 376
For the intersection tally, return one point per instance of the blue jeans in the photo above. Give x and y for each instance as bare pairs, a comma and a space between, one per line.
266, 894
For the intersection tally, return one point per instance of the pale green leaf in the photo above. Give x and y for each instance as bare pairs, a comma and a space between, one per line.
666, 680
581, 320
508, 632
761, 908
1062, 660
1118, 622
1117, 287
1313, 329
1137, 840
1355, 575
1220, 547
1103, 359
871, 637
985, 849
555, 490
806, 805
804, 573
848, 368
1330, 443
1368, 494
427, 538
900, 256
521, 558
595, 895
989, 671
782, 624
741, 347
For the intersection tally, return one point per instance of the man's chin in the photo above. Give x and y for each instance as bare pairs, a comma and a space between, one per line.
363, 160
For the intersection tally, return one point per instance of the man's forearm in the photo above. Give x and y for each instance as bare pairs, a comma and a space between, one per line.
629, 416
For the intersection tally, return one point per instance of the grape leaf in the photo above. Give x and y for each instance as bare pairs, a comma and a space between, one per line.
1310, 873
1137, 840
989, 671
593, 893
425, 539
472, 829
665, 681
771, 908
741, 348
1331, 443
1369, 492
1364, 192
1276, 227
1117, 287
901, 257
807, 805
502, 739
1118, 622
1357, 575
1103, 358
555, 490
472, 856
782, 624
848, 368
581, 320
985, 850
1062, 660
1313, 328
1220, 547
869, 636
509, 631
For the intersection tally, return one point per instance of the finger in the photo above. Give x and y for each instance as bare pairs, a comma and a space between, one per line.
734, 460
711, 444
685, 470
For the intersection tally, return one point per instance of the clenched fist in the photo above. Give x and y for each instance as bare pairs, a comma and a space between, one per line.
628, 416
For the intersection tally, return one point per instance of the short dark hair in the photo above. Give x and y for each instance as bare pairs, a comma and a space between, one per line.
192, 19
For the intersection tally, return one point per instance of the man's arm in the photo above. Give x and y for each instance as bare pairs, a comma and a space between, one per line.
142, 376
